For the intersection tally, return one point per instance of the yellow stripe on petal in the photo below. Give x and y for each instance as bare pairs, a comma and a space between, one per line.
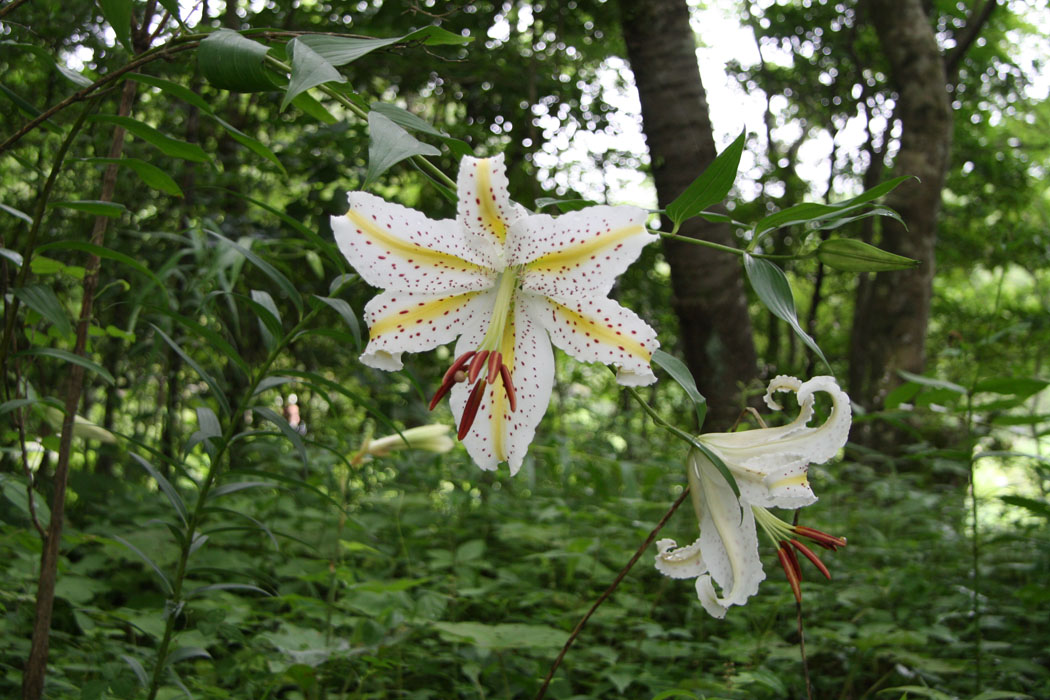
582, 251
423, 312
604, 334
797, 480
491, 218
413, 253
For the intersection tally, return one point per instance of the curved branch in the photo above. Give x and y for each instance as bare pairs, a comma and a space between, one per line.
953, 59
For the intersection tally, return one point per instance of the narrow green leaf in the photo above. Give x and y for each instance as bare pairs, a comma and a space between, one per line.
285, 427
1017, 386
147, 560
42, 299
271, 382
236, 486
343, 309
564, 205
402, 117
29, 109
92, 206
260, 526
8, 406
330, 249
309, 69
201, 590
681, 374
810, 212
230, 61
213, 339
720, 465
208, 422
165, 486
930, 382
268, 316
711, 186
311, 107
149, 174
220, 397
850, 255
118, 15
70, 357
106, 254
19, 214
166, 144
390, 144
183, 653
1032, 505
174, 89
291, 481
252, 144
43, 54
137, 669
773, 290
11, 255
266, 268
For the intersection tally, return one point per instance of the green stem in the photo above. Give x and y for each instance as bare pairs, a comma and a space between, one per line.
718, 246
196, 516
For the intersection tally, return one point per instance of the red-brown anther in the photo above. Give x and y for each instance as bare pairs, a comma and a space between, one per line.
808, 553
508, 385
452, 376
822, 538
789, 569
794, 559
475, 366
495, 361
470, 410
457, 366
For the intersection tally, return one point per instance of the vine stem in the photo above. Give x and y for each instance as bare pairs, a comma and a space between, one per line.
196, 517
609, 591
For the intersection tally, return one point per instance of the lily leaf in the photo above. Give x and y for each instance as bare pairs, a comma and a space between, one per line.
710, 187
390, 144
771, 285
309, 69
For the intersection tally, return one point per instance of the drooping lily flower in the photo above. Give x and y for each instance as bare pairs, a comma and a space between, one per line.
770, 468
507, 283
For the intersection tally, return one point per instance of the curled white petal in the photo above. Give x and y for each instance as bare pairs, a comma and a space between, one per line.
680, 562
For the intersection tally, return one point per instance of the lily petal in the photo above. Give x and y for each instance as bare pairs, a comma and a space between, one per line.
683, 562
599, 330
499, 434
727, 539
771, 464
485, 210
579, 254
394, 247
400, 322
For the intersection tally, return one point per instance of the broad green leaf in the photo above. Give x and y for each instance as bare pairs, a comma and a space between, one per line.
712, 185
166, 144
1032, 505
43, 265
309, 69
118, 15
502, 636
404, 118
92, 206
266, 268
1017, 386
390, 144
150, 174
142, 555
230, 61
165, 486
285, 427
311, 107
42, 299
19, 214
681, 374
183, 653
70, 357
850, 255
343, 309
220, 397
43, 54
773, 290
13, 488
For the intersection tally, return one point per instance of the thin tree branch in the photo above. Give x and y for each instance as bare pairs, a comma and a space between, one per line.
609, 591
10, 6
963, 42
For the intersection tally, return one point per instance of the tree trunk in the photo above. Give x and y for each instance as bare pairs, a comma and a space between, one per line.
892, 310
709, 295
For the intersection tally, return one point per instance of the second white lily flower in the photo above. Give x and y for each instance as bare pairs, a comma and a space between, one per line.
770, 468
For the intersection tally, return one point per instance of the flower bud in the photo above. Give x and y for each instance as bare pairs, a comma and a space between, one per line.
850, 255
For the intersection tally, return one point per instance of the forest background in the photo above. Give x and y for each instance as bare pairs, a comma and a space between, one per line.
169, 276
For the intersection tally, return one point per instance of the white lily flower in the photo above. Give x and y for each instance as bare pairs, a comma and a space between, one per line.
769, 466
507, 283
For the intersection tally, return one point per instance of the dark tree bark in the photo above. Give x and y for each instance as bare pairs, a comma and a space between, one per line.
892, 310
709, 295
